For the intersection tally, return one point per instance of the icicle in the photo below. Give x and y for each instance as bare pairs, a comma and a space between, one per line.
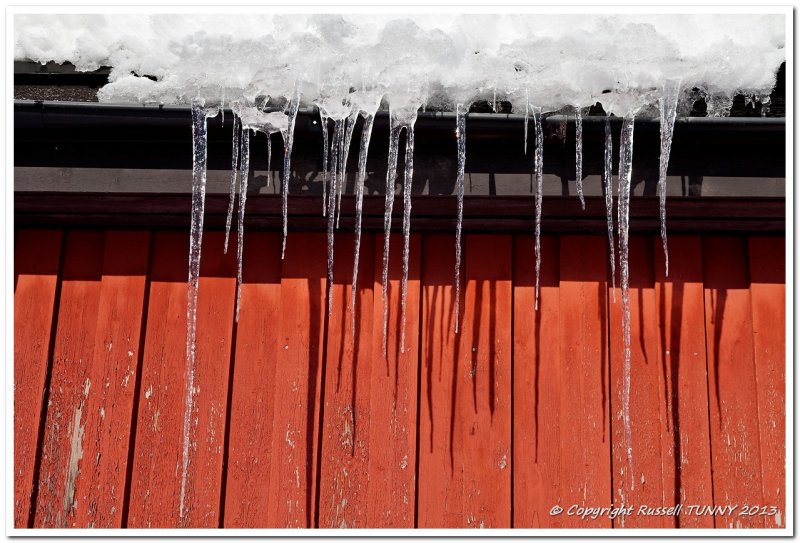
409, 174
234, 167
288, 141
579, 155
608, 155
324, 123
366, 134
269, 158
667, 107
527, 107
391, 177
350, 124
538, 162
494, 100
461, 134
243, 179
623, 207
222, 105
338, 136
765, 100
200, 116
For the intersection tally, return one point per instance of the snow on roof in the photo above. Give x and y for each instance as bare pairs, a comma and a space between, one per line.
440, 59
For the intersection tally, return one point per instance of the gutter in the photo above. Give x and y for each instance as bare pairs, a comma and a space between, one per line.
743, 146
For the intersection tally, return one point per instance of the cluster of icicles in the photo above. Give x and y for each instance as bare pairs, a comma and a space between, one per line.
336, 146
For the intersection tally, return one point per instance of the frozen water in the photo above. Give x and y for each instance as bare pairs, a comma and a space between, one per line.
324, 122
243, 179
269, 158
366, 134
407, 182
391, 178
200, 115
234, 169
367, 104
400, 118
608, 154
527, 109
579, 155
623, 208
461, 134
288, 141
350, 123
333, 186
667, 108
538, 164
564, 59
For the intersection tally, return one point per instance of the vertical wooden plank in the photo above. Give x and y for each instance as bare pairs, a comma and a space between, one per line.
480, 394
37, 255
292, 481
537, 386
683, 390
440, 471
643, 486
112, 374
585, 433
157, 469
393, 402
254, 387
767, 259
736, 458
65, 425
346, 454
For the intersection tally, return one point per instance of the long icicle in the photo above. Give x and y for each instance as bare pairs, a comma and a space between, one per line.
608, 154
244, 178
391, 177
324, 123
338, 135
200, 116
579, 155
407, 182
539, 160
350, 124
234, 166
366, 135
527, 107
288, 142
623, 206
269, 158
667, 106
461, 135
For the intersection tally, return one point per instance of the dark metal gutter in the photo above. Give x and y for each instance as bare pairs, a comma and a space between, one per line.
124, 135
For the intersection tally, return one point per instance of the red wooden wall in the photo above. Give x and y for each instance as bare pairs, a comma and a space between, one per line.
299, 421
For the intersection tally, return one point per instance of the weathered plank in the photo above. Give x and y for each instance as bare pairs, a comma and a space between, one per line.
683, 389
252, 407
479, 428
36, 268
112, 373
346, 452
767, 259
644, 485
439, 476
64, 434
393, 382
295, 434
538, 386
584, 427
733, 397
157, 467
